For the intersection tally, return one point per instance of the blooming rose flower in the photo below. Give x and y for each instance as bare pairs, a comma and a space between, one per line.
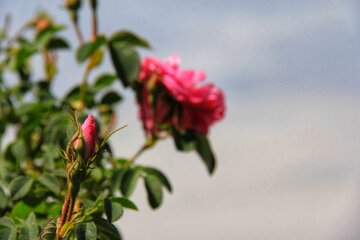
180, 100
89, 133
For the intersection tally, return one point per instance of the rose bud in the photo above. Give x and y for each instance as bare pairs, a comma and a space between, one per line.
88, 136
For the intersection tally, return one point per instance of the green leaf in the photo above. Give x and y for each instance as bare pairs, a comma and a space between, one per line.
7, 229
154, 191
30, 229
40, 207
20, 210
3, 199
56, 43
129, 182
34, 107
3, 34
113, 210
54, 209
44, 36
56, 128
103, 81
130, 38
116, 179
184, 141
105, 230
42, 91
18, 150
87, 204
29, 127
75, 95
20, 186
190, 140
60, 173
50, 182
160, 176
67, 229
89, 48
110, 98
126, 62
50, 154
126, 203
86, 231
20, 58
97, 174
48, 231
94, 207
204, 150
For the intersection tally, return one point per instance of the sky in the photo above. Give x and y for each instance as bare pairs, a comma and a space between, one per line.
289, 148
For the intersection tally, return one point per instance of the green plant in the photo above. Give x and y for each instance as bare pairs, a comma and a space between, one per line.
48, 187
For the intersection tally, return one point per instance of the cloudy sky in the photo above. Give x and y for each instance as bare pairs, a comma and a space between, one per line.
289, 148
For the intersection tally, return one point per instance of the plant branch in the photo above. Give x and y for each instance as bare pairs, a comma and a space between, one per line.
78, 32
83, 87
16, 35
94, 24
5, 28
150, 142
138, 153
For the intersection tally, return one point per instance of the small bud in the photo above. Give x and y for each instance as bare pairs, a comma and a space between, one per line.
73, 4
93, 4
80, 147
42, 21
88, 136
42, 24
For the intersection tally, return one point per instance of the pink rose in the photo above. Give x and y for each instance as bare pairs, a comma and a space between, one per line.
89, 133
180, 101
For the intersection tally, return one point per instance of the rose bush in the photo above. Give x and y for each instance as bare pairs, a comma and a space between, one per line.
54, 186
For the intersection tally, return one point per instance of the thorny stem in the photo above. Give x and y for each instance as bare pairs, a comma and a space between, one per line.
69, 203
73, 189
64, 214
68, 207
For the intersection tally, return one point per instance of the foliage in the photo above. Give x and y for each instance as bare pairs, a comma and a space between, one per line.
34, 179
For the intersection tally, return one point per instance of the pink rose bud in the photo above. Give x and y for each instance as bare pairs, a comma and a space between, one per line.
89, 134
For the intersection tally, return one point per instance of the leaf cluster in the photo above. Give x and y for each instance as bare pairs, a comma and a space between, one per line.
32, 167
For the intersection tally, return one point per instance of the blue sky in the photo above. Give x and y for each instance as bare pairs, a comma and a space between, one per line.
288, 149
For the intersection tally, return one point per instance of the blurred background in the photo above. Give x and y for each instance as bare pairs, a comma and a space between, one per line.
289, 148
